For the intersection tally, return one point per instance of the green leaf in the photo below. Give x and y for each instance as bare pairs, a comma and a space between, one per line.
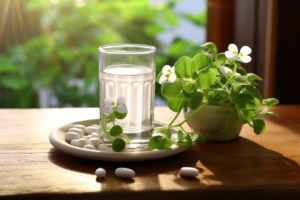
183, 67
180, 135
116, 130
120, 115
239, 69
244, 101
259, 126
168, 133
185, 106
272, 113
152, 29
200, 62
206, 79
253, 91
159, 142
201, 138
240, 80
195, 101
189, 90
175, 104
252, 77
216, 88
118, 145
158, 77
212, 47
235, 90
244, 116
170, 90
209, 55
221, 57
186, 141
270, 102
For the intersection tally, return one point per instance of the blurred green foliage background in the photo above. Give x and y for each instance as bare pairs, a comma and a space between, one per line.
53, 46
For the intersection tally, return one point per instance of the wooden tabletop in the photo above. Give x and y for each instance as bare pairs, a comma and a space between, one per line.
250, 167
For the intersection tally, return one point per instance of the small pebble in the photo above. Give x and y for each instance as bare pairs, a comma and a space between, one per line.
124, 172
101, 147
69, 136
74, 142
95, 135
189, 171
91, 129
81, 127
81, 142
94, 141
100, 173
77, 130
91, 147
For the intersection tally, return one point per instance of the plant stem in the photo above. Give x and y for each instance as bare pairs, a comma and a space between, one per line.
192, 115
161, 128
126, 138
176, 115
183, 129
231, 77
237, 122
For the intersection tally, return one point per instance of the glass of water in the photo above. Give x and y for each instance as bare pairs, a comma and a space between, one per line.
127, 90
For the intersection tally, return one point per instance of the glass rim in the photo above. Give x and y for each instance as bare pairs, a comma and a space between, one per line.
113, 48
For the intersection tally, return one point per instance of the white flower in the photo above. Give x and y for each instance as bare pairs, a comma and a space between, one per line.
168, 74
121, 105
242, 56
109, 105
224, 70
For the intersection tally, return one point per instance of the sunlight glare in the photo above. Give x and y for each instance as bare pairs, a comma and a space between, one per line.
79, 3
159, 6
54, 1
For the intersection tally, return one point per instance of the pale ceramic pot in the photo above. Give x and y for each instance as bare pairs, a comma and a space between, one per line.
211, 119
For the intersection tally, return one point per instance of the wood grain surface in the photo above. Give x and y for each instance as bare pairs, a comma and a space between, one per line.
250, 167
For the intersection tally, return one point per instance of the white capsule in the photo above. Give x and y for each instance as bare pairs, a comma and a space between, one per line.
124, 172
81, 142
189, 171
100, 173
91, 129
101, 147
95, 125
74, 142
85, 137
81, 127
90, 147
95, 135
77, 130
94, 141
69, 136
88, 137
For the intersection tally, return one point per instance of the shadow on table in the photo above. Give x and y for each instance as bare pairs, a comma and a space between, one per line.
238, 162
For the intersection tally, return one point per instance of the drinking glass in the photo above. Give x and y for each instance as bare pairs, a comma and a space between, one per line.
127, 90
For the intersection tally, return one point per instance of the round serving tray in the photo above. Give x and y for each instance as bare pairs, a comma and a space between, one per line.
57, 139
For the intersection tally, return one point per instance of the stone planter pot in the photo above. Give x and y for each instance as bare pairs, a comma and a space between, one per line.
211, 119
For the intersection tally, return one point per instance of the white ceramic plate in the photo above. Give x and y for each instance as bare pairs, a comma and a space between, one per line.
57, 139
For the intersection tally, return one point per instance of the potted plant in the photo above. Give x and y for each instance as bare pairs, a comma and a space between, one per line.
216, 94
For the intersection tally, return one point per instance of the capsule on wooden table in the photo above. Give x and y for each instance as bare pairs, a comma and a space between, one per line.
100, 173
124, 172
189, 171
